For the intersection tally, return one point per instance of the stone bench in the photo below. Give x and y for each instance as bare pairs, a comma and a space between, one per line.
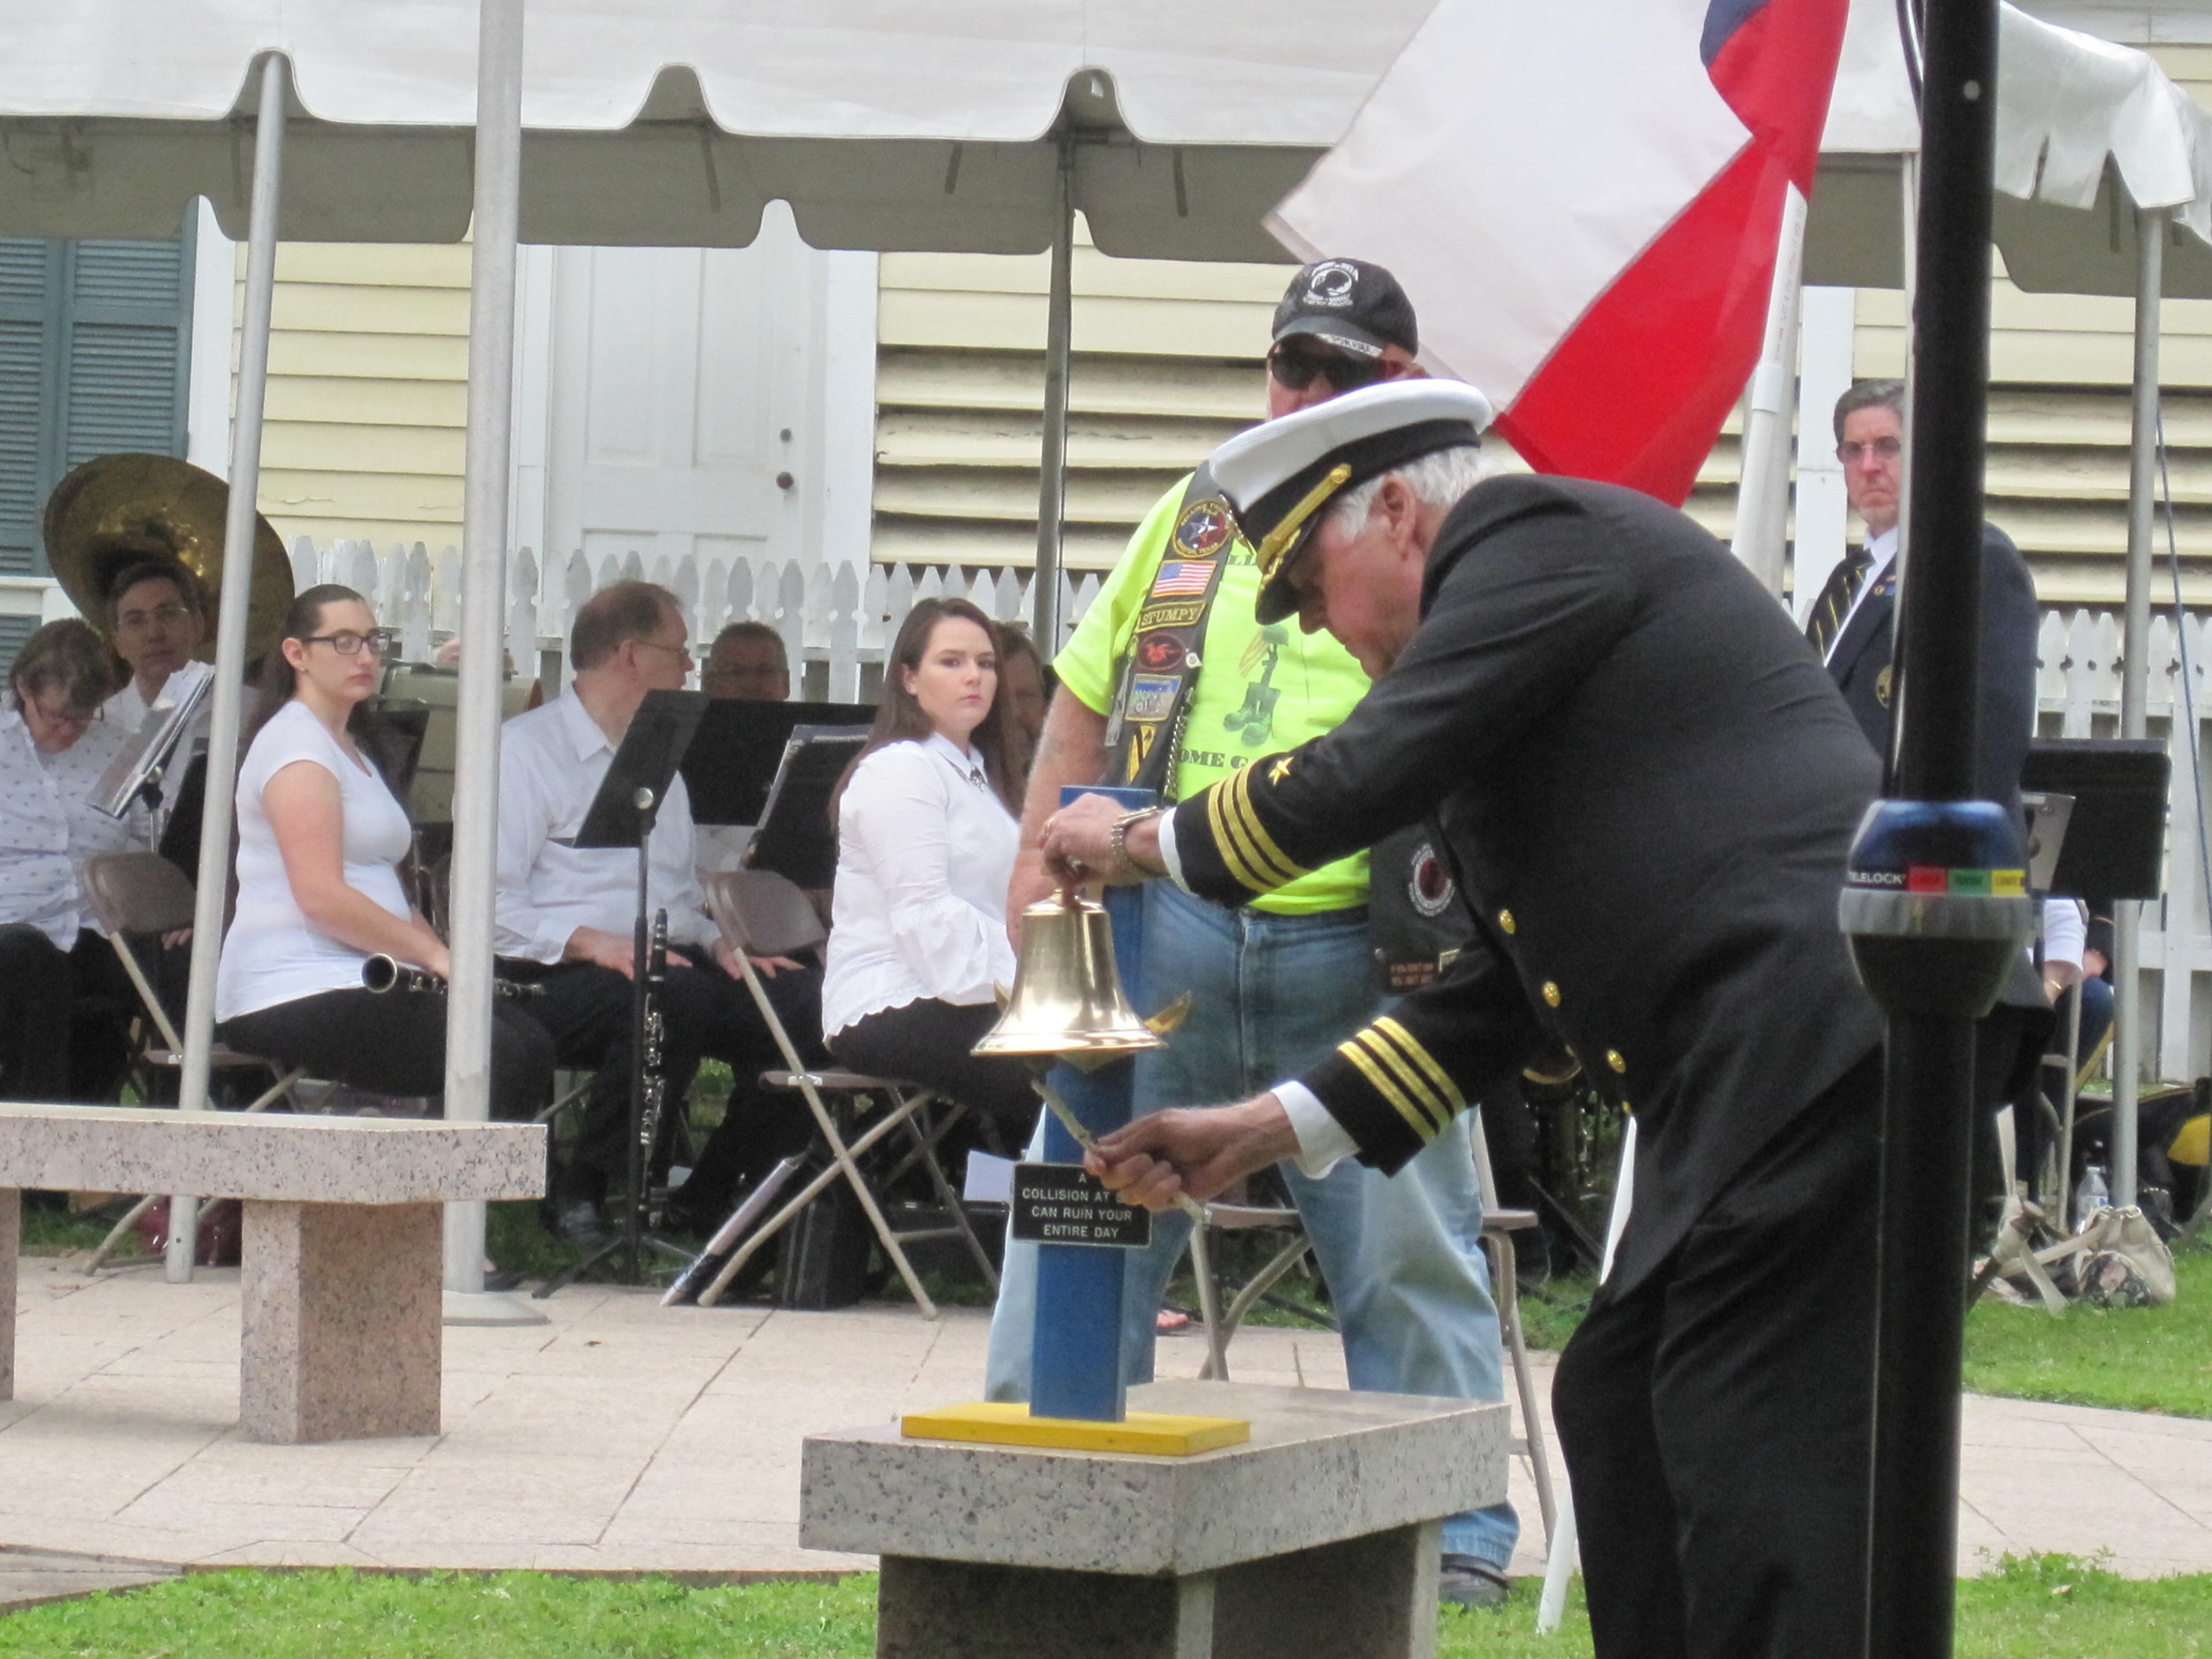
1320, 1535
343, 1240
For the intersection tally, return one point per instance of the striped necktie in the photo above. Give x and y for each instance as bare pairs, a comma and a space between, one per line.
1836, 599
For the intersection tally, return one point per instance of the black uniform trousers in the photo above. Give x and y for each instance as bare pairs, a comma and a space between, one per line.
705, 1014
933, 1043
393, 1043
1718, 1418
65, 1017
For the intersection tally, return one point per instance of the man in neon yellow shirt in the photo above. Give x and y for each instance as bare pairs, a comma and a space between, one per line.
1277, 984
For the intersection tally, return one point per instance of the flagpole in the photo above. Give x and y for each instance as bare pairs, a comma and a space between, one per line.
1763, 491
1935, 956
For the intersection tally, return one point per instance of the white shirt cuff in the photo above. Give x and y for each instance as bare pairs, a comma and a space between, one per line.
1323, 1142
1168, 857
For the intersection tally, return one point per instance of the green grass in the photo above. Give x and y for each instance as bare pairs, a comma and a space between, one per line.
58, 1231
2049, 1604
2131, 1359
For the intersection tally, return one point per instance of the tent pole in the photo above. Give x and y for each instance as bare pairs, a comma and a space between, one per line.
1763, 493
2127, 920
483, 604
230, 631
1044, 598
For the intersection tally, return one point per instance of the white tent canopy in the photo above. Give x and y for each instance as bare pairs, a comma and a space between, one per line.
673, 122
964, 125
2086, 130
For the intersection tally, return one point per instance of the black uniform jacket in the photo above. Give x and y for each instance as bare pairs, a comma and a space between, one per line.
1647, 785
1862, 665
1863, 669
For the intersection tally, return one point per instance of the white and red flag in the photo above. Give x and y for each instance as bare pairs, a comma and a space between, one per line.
1583, 198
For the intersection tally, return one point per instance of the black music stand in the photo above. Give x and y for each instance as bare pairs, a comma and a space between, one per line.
739, 746
2116, 829
623, 814
797, 839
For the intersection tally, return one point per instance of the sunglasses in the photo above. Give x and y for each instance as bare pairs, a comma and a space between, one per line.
1298, 368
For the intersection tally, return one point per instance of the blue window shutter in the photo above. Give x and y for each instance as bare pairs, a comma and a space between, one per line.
124, 364
95, 342
30, 341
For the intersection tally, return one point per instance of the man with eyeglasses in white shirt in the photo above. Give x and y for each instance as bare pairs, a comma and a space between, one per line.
566, 915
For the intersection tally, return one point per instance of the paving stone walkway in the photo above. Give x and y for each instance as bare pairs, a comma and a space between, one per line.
625, 1437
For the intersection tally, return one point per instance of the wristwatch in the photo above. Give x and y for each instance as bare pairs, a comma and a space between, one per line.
1117, 842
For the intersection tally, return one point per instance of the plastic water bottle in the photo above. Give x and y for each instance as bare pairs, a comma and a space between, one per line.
2091, 1194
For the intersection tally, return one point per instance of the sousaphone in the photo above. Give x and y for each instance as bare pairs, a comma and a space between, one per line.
117, 511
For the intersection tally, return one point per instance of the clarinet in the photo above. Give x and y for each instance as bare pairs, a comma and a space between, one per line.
382, 975
651, 1058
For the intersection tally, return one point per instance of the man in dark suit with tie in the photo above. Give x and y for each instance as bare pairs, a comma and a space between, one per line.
1853, 625
1853, 621
1646, 787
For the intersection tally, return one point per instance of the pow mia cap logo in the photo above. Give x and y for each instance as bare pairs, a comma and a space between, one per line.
1350, 303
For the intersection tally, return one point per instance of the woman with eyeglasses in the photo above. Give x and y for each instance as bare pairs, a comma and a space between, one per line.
320, 836
53, 960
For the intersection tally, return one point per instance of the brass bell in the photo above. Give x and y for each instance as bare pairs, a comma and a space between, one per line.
1067, 997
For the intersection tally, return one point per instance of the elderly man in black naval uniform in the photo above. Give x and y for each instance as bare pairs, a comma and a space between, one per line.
1647, 785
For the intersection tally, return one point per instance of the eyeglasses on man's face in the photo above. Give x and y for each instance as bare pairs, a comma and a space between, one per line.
166, 616
1851, 452
1297, 366
376, 641
681, 648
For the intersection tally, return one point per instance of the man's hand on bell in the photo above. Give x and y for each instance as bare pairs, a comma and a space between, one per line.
1079, 841
1200, 1152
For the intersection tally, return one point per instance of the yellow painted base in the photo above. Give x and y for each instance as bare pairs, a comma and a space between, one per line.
1006, 1423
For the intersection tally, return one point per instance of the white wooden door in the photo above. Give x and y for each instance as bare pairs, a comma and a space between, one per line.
715, 402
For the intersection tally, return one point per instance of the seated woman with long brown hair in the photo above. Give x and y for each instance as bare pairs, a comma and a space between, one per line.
320, 836
926, 831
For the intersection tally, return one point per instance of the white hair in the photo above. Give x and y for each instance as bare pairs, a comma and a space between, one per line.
1438, 479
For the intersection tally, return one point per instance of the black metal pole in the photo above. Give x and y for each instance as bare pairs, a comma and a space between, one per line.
1927, 1116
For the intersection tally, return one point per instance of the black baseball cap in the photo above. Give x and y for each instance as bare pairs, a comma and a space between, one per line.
1350, 304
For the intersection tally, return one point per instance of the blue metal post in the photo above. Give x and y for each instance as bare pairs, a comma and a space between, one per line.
1075, 1366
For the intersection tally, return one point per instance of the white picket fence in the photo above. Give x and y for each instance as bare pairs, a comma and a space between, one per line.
837, 620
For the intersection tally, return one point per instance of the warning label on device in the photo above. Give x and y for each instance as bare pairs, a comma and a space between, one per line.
1062, 1203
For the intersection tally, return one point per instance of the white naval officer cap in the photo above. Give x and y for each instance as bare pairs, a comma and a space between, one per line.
1279, 475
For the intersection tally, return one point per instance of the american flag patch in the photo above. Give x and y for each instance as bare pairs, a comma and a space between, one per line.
1192, 576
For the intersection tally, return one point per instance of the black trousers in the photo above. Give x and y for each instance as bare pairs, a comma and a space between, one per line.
395, 1044
65, 1017
1718, 1418
933, 1043
705, 1014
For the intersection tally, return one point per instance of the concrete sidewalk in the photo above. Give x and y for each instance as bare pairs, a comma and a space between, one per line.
623, 1436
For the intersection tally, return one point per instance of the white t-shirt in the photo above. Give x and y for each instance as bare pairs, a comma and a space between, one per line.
925, 855
273, 953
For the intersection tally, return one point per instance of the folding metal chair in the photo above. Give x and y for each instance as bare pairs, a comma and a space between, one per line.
766, 915
140, 895
1498, 1227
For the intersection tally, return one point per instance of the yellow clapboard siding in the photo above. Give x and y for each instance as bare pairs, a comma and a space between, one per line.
319, 446
353, 309
910, 317
907, 378
962, 438
381, 357
396, 498
397, 265
1010, 494
1092, 274
363, 400
906, 540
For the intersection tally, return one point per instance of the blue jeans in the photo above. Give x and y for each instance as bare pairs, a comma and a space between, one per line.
1271, 995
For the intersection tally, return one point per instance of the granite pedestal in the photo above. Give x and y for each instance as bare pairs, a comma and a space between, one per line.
342, 1253
1316, 1538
